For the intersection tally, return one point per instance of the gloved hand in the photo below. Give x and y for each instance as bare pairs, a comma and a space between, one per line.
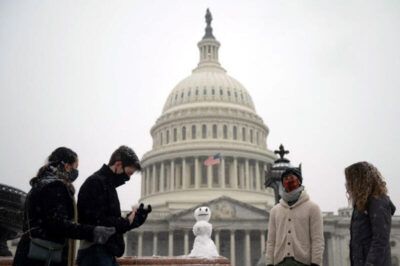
101, 234
141, 215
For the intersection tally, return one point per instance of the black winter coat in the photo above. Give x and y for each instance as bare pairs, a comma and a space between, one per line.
370, 233
50, 208
98, 204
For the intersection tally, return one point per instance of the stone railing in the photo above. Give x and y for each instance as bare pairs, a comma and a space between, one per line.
155, 261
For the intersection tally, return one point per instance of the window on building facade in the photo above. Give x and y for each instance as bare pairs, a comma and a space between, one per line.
150, 178
234, 132
253, 175
157, 178
193, 131
203, 173
225, 131
204, 131
192, 174
167, 140
167, 171
244, 134
251, 135
175, 134
227, 173
215, 174
183, 133
214, 131
178, 175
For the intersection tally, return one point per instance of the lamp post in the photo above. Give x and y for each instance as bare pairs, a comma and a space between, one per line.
11, 216
274, 172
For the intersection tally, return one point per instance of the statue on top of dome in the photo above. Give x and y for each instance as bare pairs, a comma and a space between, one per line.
208, 17
208, 34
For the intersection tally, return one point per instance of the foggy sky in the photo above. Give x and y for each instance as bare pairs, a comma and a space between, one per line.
92, 75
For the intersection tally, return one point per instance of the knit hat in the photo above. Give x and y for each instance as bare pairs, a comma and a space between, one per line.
292, 171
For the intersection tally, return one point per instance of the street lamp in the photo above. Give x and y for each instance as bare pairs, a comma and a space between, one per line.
274, 172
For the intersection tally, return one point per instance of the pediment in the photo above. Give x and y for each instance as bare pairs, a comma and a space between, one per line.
225, 208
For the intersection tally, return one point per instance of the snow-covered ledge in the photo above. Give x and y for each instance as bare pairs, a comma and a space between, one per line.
154, 261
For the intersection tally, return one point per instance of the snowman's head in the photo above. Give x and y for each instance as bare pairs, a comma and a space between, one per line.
202, 214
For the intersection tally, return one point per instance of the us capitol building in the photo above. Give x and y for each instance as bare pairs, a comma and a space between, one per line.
207, 113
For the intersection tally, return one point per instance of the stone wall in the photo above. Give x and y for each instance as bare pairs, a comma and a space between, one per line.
155, 261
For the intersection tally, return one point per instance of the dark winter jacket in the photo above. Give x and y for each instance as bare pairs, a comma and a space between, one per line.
370, 233
98, 204
50, 208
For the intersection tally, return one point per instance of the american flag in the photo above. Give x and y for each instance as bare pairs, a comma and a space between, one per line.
211, 160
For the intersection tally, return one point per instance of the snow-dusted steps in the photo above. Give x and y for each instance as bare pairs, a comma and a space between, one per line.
154, 261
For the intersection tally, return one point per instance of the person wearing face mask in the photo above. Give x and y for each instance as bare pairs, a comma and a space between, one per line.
372, 215
50, 213
98, 204
295, 229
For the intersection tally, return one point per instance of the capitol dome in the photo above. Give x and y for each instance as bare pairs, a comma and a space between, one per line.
207, 114
211, 86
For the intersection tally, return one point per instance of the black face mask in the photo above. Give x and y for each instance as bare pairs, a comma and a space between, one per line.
73, 175
121, 178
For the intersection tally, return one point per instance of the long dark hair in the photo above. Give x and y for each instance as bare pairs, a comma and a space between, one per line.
363, 180
57, 159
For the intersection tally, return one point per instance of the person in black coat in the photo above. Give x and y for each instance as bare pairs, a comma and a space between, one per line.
98, 204
50, 211
372, 216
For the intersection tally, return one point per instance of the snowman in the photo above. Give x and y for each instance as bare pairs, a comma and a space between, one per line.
203, 245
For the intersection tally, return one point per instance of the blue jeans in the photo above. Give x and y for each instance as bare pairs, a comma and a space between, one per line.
96, 255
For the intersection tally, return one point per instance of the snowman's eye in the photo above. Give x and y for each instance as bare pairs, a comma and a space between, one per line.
206, 210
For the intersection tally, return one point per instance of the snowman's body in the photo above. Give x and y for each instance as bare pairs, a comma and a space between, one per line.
203, 245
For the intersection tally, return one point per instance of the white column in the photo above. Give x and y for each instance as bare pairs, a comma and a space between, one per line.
186, 242
334, 252
147, 188
126, 244
142, 183
217, 239
153, 181
222, 173
162, 177
184, 174
247, 174
172, 177
196, 173
209, 176
233, 247
170, 243
155, 243
257, 173
140, 244
247, 258
235, 173
262, 241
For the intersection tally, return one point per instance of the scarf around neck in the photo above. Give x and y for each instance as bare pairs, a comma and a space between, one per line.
293, 196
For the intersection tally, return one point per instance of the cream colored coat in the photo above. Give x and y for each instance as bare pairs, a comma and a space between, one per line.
295, 231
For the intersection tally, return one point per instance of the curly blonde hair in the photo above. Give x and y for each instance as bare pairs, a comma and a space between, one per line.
363, 180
